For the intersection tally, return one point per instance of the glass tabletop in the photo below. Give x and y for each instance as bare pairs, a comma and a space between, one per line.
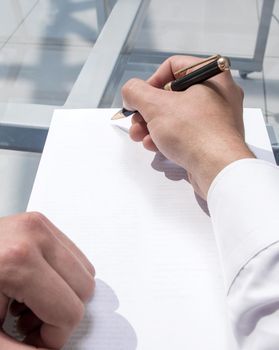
52, 55
201, 28
44, 45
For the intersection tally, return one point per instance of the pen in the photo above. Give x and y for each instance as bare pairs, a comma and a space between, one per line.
209, 68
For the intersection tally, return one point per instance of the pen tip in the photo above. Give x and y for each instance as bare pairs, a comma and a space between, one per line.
118, 115
123, 113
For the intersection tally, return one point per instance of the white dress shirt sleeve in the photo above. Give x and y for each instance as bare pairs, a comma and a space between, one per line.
243, 201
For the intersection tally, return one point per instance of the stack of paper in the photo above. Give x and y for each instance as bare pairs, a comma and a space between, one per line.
159, 283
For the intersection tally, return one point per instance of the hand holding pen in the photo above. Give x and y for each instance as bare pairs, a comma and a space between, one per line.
200, 129
188, 76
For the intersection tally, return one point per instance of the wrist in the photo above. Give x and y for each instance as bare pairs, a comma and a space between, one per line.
207, 165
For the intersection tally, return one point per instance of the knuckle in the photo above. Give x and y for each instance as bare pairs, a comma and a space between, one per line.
17, 254
129, 86
15, 261
31, 221
32, 225
174, 58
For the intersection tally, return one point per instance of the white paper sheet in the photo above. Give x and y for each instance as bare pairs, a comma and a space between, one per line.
159, 283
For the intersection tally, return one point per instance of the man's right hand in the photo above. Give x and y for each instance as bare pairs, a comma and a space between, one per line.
200, 129
48, 278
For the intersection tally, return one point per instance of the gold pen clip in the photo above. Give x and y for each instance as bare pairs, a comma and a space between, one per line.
183, 71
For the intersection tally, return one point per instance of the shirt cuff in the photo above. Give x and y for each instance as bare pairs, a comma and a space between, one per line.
243, 203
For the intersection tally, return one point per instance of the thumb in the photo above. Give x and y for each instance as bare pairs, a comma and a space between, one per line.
140, 96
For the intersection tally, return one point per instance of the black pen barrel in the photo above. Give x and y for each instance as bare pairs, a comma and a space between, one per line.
196, 77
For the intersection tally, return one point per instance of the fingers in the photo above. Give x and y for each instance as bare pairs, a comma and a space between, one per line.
77, 272
149, 144
137, 118
57, 255
139, 132
140, 96
44, 273
53, 302
145, 97
70, 269
67, 243
165, 73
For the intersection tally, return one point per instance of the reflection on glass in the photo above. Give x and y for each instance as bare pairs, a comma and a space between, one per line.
44, 45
